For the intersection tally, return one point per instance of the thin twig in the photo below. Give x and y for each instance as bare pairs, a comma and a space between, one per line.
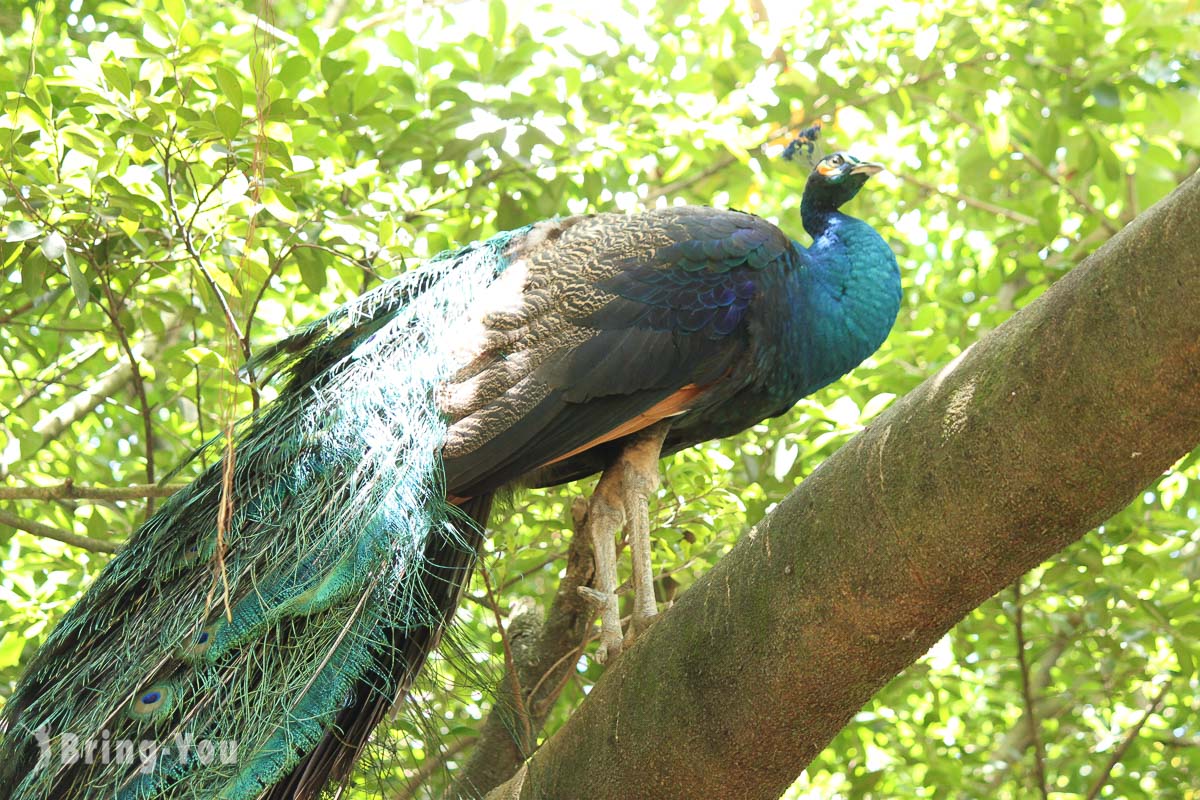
967, 200
103, 386
67, 490
60, 368
1060, 181
113, 311
510, 665
1083, 202
189, 245
1012, 747
517, 578
1126, 743
43, 299
552, 696
46, 532
1175, 741
432, 764
1039, 755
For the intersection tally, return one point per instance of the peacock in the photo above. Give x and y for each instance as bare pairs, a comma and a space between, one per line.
261, 623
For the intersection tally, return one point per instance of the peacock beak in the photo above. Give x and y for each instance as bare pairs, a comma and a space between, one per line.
866, 168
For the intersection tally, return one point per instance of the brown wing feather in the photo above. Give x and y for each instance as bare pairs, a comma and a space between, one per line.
540, 384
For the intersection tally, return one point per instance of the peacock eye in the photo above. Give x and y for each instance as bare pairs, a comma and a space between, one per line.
836, 160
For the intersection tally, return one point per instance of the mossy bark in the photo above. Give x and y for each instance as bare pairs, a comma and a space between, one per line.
1040, 431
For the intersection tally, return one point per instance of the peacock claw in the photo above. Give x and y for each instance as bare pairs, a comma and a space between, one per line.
639, 625
591, 594
622, 499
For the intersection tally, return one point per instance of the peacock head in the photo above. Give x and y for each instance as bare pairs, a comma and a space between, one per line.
835, 180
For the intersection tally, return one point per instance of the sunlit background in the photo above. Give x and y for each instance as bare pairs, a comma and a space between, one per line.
363, 137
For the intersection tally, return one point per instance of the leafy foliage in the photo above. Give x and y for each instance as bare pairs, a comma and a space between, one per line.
184, 181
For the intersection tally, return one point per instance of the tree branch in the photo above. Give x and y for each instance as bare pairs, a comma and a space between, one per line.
1030, 717
52, 425
516, 695
69, 491
1175, 741
1041, 430
966, 200
1014, 744
113, 311
46, 532
1127, 742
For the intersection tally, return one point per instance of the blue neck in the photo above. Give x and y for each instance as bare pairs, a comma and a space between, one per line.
815, 215
845, 292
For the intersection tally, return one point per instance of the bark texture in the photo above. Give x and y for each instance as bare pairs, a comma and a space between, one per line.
1039, 432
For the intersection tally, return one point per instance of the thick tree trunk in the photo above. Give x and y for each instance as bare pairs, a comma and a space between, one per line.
1042, 430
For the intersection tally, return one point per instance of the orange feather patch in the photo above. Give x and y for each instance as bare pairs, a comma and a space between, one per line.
668, 407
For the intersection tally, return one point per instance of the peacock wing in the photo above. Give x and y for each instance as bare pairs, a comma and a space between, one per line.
599, 327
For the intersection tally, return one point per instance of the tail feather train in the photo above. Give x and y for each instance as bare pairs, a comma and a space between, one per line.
341, 564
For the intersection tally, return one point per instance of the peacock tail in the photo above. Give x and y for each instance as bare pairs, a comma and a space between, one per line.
341, 559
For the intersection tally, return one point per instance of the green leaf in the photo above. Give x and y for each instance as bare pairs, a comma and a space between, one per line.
155, 31
312, 270
228, 121
33, 270
1047, 141
79, 283
497, 21
19, 230
309, 41
1086, 153
293, 70
175, 10
1156, 613
279, 206
11, 647
230, 85
54, 246
117, 76
1183, 654
339, 39
1049, 222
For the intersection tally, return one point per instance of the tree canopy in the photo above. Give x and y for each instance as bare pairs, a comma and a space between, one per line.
184, 182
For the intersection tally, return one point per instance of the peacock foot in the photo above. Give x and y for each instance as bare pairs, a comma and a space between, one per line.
610, 638
639, 624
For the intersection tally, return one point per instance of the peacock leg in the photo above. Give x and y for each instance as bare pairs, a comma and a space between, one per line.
622, 498
605, 515
641, 482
